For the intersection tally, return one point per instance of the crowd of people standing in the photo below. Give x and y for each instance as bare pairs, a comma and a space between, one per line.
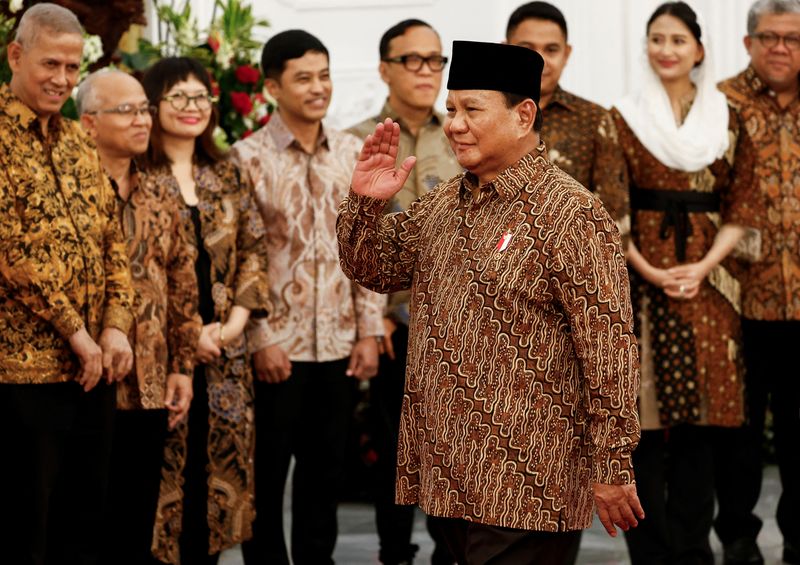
560, 309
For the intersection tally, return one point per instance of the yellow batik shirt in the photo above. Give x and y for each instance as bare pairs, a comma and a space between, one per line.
63, 263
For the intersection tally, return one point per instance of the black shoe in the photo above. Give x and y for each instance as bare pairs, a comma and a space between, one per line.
790, 554
743, 551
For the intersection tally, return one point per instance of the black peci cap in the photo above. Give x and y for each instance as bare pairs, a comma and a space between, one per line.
496, 66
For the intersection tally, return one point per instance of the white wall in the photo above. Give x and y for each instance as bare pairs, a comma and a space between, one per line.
607, 38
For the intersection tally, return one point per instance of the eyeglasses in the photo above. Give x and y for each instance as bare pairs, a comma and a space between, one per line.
413, 62
769, 40
127, 110
180, 100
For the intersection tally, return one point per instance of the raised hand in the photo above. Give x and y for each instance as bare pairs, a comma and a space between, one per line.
375, 174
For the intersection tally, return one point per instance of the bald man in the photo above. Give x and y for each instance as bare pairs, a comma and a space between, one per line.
116, 114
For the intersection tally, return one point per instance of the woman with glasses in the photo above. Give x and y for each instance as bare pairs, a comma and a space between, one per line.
213, 508
690, 167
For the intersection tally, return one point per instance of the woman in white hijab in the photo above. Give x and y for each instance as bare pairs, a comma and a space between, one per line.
690, 167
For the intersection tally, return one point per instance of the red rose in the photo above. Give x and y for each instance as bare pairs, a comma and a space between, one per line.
247, 133
241, 102
214, 88
264, 120
260, 97
213, 42
247, 74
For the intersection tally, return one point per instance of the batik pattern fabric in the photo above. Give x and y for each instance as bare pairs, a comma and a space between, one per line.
63, 265
233, 235
522, 366
692, 369
316, 313
583, 142
771, 285
166, 325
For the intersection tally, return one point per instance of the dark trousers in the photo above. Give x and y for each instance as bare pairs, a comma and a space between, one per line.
195, 533
56, 445
393, 521
136, 459
769, 349
675, 484
479, 544
306, 416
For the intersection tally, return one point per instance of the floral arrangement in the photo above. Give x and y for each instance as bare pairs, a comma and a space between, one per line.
228, 51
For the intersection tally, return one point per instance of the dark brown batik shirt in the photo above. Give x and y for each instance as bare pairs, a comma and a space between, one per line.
771, 285
522, 367
583, 142
63, 264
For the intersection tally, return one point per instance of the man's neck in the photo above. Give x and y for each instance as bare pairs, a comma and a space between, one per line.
545, 98
44, 120
413, 118
526, 145
305, 133
119, 169
787, 93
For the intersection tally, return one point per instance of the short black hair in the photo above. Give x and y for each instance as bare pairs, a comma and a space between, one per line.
287, 45
683, 12
536, 11
396, 31
512, 99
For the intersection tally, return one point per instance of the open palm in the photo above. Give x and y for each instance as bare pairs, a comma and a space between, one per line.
375, 174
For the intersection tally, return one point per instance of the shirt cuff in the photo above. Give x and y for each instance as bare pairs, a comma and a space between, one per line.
613, 467
67, 322
119, 318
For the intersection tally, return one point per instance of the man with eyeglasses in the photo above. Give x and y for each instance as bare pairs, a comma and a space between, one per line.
323, 331
580, 135
116, 114
766, 99
411, 66
65, 304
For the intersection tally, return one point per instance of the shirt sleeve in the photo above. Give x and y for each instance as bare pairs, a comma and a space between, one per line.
610, 174
376, 251
591, 280
183, 318
252, 289
118, 311
28, 271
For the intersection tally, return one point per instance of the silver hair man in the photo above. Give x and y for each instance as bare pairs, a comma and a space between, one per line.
52, 17
761, 7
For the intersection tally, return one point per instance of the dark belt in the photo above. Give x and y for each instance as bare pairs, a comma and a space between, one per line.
676, 205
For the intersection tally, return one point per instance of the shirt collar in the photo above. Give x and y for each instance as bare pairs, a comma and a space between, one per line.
753, 81
512, 180
284, 138
387, 111
22, 115
562, 98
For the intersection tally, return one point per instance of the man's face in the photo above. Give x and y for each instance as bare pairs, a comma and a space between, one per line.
547, 39
304, 90
779, 65
413, 89
481, 129
116, 130
45, 72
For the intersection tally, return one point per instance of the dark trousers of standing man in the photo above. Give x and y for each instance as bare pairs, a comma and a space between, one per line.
772, 379
56, 447
675, 483
480, 544
136, 458
393, 521
306, 416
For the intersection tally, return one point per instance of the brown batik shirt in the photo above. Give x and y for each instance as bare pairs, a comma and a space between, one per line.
583, 142
166, 321
771, 285
315, 313
522, 367
435, 163
63, 264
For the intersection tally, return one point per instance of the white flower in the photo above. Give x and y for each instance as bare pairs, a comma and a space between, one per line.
14, 6
187, 35
92, 49
224, 55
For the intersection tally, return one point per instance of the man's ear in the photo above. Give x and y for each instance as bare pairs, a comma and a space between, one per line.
383, 69
14, 52
526, 114
89, 125
272, 86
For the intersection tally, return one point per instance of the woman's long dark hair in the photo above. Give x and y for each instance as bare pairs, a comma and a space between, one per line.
157, 81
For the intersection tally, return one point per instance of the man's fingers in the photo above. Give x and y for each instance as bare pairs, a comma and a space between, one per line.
636, 505
355, 365
388, 347
602, 513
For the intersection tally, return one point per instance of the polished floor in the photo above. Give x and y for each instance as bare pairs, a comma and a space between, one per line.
358, 543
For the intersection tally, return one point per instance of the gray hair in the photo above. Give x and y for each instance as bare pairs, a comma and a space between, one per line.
761, 7
87, 99
52, 17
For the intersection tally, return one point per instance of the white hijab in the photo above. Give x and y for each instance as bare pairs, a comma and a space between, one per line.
703, 136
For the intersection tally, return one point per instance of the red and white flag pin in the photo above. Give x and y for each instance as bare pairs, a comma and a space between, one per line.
504, 241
